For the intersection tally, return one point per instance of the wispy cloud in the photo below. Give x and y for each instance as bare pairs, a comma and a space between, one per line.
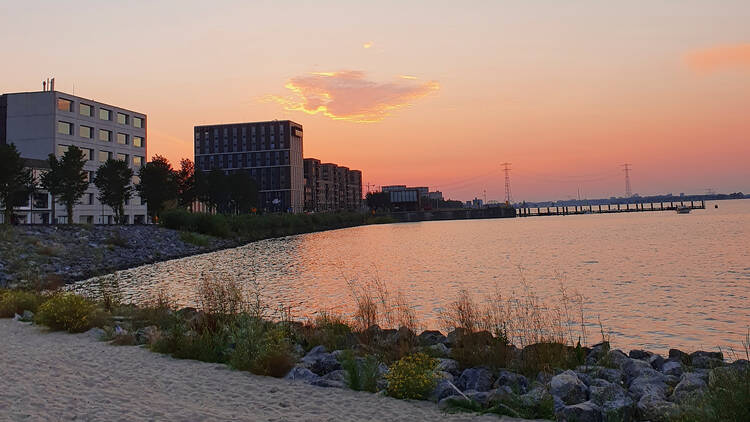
736, 56
367, 44
349, 95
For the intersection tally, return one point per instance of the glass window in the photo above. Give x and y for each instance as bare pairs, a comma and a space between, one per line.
61, 149
137, 141
64, 105
105, 135
88, 153
122, 157
89, 199
122, 139
137, 121
122, 118
41, 200
65, 128
136, 179
86, 131
137, 161
90, 176
104, 156
85, 110
105, 114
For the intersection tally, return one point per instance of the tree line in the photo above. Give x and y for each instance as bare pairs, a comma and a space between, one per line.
158, 185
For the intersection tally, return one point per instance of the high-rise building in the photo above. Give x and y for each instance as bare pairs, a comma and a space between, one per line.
48, 122
329, 187
270, 151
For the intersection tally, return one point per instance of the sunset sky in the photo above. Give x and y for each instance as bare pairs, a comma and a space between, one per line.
424, 93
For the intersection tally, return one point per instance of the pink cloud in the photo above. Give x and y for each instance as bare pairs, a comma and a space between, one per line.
349, 95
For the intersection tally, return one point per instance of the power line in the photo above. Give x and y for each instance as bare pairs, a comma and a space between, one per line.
626, 169
506, 169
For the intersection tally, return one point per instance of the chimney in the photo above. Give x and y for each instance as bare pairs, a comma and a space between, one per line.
44, 85
52, 84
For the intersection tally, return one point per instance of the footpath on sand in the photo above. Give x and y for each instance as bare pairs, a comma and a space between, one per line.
59, 376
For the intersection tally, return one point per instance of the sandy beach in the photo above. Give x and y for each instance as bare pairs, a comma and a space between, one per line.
58, 376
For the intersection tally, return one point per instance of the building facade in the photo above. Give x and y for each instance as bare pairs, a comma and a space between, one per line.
329, 187
48, 122
270, 151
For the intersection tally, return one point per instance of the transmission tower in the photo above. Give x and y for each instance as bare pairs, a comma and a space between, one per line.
626, 168
506, 169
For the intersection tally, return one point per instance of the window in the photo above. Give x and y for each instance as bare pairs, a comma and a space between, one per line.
122, 118
85, 110
86, 131
61, 150
90, 175
104, 156
105, 135
88, 153
122, 138
88, 199
137, 141
122, 157
65, 128
64, 105
41, 200
137, 121
137, 161
86, 219
105, 114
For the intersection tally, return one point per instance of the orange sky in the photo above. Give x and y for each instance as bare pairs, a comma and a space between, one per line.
428, 93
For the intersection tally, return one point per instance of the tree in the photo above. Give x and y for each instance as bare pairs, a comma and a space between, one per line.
113, 181
15, 180
218, 191
66, 180
243, 192
378, 200
157, 185
185, 177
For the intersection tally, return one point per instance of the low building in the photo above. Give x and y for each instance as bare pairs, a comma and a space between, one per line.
329, 187
48, 122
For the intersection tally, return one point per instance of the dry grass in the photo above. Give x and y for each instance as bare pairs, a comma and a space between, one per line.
374, 305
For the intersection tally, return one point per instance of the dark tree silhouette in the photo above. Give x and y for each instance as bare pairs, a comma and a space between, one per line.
66, 180
16, 181
185, 177
113, 179
157, 185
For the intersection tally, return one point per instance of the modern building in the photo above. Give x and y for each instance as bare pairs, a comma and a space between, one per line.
329, 187
48, 122
270, 151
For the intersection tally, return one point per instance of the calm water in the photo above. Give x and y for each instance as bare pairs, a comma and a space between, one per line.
656, 280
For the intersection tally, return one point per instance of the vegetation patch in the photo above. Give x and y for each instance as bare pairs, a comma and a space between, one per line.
412, 377
69, 312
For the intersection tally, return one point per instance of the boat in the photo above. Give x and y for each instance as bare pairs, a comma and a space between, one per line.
682, 209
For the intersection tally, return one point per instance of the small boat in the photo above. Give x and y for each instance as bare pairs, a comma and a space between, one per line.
682, 209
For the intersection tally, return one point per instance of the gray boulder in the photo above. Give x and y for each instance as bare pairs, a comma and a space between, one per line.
481, 397
690, 386
672, 368
653, 384
442, 390
639, 354
146, 334
581, 412
656, 409
599, 372
446, 402
706, 362
95, 333
613, 400
320, 362
517, 382
431, 338
535, 395
616, 359
479, 379
568, 387
27, 316
301, 374
597, 352
438, 349
448, 365
634, 368
453, 336
501, 394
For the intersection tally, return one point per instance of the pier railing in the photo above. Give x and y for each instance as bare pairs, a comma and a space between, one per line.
609, 208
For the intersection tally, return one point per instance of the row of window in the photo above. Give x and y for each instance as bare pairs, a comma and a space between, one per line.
66, 128
254, 159
103, 156
104, 114
244, 131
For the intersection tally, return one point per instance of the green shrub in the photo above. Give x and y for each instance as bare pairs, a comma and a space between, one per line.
545, 357
412, 377
195, 239
69, 312
481, 349
260, 347
727, 398
361, 374
329, 330
16, 301
206, 346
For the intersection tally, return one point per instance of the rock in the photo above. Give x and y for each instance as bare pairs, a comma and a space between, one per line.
431, 338
96, 333
649, 384
517, 383
448, 365
438, 349
706, 362
671, 380
327, 383
543, 378
615, 359
302, 374
534, 396
597, 352
568, 388
599, 372
672, 368
656, 409
580, 412
338, 375
146, 335
453, 336
501, 394
479, 379
613, 400
444, 376
690, 386
712, 355
679, 355
634, 368
320, 362
446, 402
27, 316
317, 350
442, 390
481, 397
639, 354
656, 361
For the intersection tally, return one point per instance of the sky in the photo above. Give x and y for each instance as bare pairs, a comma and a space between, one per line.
426, 93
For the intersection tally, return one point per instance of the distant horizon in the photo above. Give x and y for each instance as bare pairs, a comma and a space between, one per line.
436, 94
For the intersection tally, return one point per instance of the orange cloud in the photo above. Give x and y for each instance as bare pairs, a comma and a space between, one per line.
367, 44
348, 95
720, 57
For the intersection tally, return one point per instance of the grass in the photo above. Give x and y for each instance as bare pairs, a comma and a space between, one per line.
511, 406
195, 238
69, 312
14, 302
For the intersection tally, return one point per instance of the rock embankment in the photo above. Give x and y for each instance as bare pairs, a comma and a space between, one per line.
63, 254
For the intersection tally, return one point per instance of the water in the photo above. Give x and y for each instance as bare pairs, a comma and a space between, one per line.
656, 279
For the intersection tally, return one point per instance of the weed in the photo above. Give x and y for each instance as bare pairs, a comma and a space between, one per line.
16, 301
195, 238
69, 312
412, 377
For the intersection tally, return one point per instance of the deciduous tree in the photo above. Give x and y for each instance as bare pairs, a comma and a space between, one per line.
113, 179
15, 180
66, 180
157, 184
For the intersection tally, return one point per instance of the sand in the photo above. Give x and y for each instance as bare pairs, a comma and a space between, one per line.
58, 376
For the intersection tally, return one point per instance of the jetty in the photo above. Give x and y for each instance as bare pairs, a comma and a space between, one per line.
609, 208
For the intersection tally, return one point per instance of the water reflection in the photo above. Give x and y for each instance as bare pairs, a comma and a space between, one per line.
657, 280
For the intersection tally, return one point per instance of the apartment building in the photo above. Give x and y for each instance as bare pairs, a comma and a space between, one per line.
329, 187
48, 122
271, 151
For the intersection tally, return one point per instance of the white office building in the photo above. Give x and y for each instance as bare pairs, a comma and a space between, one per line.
48, 122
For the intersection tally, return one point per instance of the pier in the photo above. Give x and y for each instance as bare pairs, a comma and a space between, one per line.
609, 208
